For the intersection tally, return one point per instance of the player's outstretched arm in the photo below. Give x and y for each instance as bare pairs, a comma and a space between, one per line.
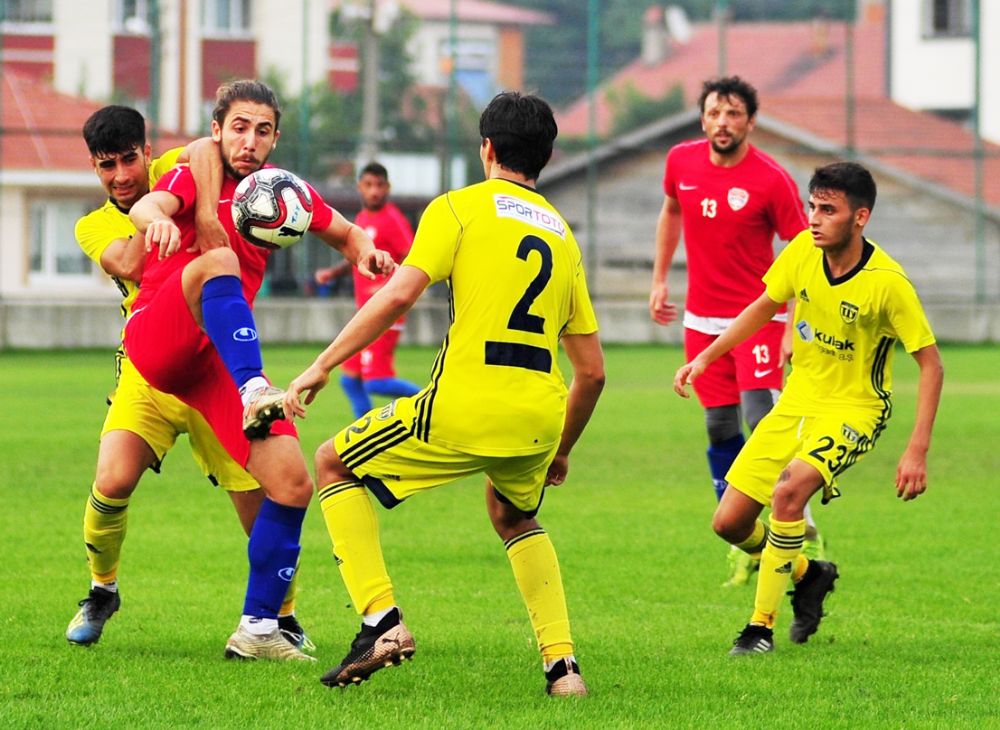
587, 358
377, 315
911, 473
355, 246
151, 216
668, 235
752, 318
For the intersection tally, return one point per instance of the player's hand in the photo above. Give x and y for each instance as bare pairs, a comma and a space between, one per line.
312, 380
324, 276
558, 469
163, 235
685, 376
376, 262
209, 234
661, 309
911, 474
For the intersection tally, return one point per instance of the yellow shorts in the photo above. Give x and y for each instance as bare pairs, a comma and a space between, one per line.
830, 442
381, 450
158, 418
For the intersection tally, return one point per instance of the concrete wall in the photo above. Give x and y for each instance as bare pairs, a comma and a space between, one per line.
96, 323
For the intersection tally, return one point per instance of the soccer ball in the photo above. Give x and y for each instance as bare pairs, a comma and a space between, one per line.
272, 208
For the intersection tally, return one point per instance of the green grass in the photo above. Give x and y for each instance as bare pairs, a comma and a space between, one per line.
912, 639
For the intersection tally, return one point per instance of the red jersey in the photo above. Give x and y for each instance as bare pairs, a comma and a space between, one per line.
730, 217
253, 259
391, 232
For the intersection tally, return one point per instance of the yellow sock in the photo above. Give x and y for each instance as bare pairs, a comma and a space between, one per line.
777, 561
350, 519
754, 544
536, 571
288, 606
104, 522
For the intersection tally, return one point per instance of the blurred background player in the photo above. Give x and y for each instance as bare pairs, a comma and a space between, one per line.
142, 423
372, 371
853, 302
497, 402
192, 334
731, 200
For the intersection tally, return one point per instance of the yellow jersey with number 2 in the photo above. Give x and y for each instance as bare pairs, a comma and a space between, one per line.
517, 284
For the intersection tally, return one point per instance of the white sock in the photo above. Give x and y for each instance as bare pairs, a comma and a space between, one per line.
372, 619
548, 665
258, 626
251, 386
111, 587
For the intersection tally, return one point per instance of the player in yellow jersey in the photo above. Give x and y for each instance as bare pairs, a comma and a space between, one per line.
853, 303
496, 402
142, 423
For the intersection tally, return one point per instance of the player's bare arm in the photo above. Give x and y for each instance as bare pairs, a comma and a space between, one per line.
151, 217
355, 246
587, 359
124, 258
788, 336
206, 169
377, 315
911, 473
751, 319
668, 235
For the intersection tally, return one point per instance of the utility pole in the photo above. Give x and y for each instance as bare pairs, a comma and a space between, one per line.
368, 149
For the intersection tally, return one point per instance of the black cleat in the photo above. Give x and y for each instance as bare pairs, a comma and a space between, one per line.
564, 680
294, 634
95, 610
807, 599
754, 639
375, 647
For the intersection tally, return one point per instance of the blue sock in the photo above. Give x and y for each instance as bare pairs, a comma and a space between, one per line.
356, 394
392, 387
229, 324
720, 457
274, 552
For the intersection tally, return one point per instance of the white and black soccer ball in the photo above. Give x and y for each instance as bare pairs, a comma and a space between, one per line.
272, 208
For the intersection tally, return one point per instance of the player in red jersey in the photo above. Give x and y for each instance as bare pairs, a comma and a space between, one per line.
372, 371
731, 200
192, 334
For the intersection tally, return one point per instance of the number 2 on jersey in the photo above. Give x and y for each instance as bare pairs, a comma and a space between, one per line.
515, 354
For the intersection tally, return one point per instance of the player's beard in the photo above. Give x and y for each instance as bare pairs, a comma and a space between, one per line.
731, 148
234, 173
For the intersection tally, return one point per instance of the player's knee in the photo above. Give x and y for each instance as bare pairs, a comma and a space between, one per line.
116, 483
789, 501
729, 529
329, 467
215, 262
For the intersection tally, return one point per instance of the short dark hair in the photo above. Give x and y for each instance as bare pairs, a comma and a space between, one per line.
113, 129
522, 129
729, 86
852, 179
244, 90
376, 169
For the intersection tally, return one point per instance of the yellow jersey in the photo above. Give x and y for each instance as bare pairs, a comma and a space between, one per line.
96, 230
846, 328
517, 284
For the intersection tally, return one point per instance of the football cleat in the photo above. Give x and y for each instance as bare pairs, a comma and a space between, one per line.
807, 599
294, 634
95, 610
245, 645
754, 639
564, 680
264, 407
741, 566
375, 647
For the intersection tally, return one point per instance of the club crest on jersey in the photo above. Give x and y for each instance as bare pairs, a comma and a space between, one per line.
738, 197
850, 435
848, 312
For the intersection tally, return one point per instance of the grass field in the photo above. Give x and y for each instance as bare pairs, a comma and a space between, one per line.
912, 639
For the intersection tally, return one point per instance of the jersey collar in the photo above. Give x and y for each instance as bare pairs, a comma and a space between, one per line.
867, 249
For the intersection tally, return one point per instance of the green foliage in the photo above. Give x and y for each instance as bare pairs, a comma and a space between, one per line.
909, 642
632, 109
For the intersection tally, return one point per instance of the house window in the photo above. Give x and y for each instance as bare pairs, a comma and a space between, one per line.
132, 16
26, 11
948, 18
54, 251
226, 17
